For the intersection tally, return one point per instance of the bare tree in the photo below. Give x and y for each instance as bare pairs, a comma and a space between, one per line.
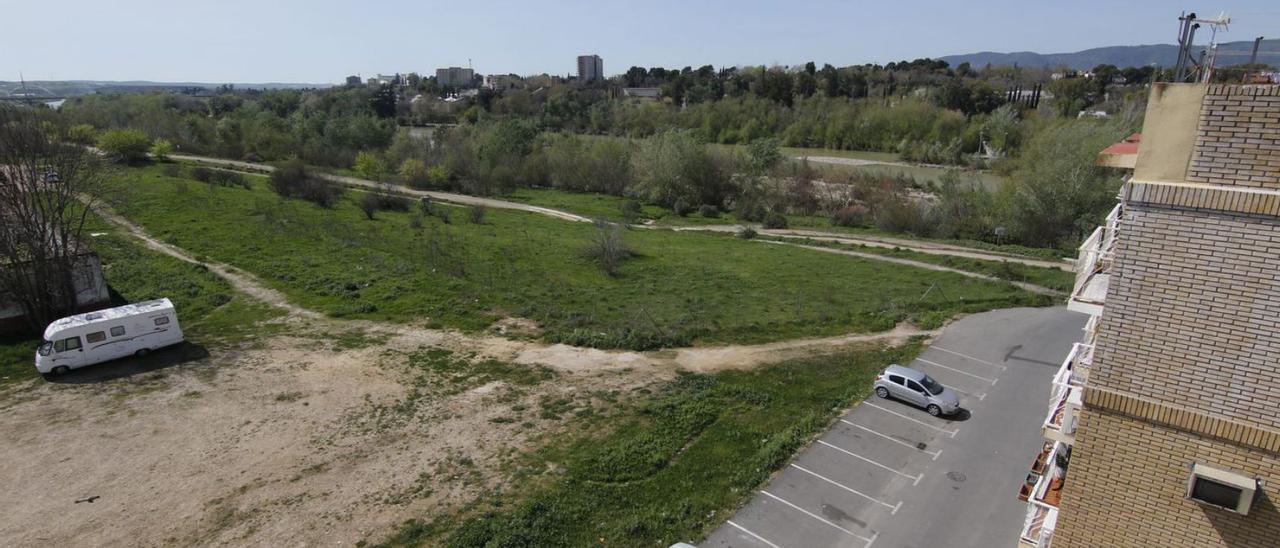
606, 247
47, 187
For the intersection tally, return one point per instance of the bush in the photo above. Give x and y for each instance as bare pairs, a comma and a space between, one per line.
607, 248
709, 211
127, 146
746, 232
291, 179
775, 220
161, 149
202, 174
82, 134
414, 173
852, 215
680, 207
630, 210
369, 205
477, 214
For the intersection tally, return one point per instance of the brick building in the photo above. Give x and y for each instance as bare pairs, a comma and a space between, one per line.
1164, 423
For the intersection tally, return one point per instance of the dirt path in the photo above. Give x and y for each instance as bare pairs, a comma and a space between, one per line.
927, 266
365, 183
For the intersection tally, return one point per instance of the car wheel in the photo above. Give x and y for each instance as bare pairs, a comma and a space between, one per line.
934, 410
882, 392
142, 352
61, 370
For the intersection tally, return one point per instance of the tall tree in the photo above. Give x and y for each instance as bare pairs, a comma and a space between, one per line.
47, 187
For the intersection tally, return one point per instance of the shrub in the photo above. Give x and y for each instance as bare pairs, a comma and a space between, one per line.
477, 214
370, 166
369, 205
291, 179
414, 173
82, 134
852, 215
709, 211
607, 248
680, 207
630, 210
746, 232
438, 176
775, 220
202, 174
161, 149
127, 146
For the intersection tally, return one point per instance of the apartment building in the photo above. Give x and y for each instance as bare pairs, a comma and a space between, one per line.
1163, 427
590, 68
455, 77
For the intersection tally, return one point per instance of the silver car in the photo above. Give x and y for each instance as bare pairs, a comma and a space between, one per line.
909, 385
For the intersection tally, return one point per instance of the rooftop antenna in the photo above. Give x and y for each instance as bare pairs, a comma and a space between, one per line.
1186, 36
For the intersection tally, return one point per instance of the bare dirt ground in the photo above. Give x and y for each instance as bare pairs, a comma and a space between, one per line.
292, 444
295, 441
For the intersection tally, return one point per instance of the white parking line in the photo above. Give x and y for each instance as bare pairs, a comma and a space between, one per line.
753, 535
978, 397
894, 440
966, 356
952, 433
892, 509
857, 456
979, 377
817, 517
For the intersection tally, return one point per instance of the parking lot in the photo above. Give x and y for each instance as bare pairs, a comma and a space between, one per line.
889, 474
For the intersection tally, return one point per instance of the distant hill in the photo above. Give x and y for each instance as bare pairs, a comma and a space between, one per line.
1230, 53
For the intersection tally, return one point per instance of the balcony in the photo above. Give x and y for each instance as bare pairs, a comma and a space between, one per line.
1093, 267
1064, 411
1044, 495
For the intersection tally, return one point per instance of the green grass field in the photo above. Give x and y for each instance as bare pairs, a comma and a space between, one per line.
211, 312
670, 468
1051, 278
682, 288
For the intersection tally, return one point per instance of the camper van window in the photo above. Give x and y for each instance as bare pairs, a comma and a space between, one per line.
45, 347
69, 344
97, 336
162, 320
117, 331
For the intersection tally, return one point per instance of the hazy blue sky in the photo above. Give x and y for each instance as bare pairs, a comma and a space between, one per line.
324, 40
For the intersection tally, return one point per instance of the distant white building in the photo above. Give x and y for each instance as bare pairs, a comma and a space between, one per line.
500, 82
590, 68
648, 94
456, 77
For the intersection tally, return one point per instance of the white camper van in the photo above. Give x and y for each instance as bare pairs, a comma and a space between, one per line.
95, 337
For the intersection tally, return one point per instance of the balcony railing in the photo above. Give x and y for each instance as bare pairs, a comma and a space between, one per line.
1064, 409
1074, 370
1037, 528
1093, 266
1042, 504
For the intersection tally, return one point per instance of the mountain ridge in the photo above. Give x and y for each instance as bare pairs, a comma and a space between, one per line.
1229, 53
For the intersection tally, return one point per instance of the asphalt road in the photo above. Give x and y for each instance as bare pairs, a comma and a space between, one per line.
889, 475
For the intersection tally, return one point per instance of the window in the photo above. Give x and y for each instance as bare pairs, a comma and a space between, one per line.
117, 331
932, 385
895, 379
162, 320
68, 344
98, 336
915, 386
1221, 488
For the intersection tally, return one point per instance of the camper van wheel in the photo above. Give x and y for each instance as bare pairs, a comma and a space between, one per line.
142, 352
61, 370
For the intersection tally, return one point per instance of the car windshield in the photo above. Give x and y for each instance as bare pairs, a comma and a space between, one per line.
45, 347
931, 385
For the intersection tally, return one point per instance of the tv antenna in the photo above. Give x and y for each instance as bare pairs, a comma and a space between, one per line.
1187, 66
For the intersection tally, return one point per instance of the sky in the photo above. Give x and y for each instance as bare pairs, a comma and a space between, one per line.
322, 41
